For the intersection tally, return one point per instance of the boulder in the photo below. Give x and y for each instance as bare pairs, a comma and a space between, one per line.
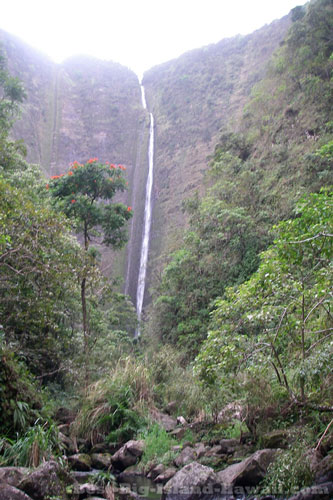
200, 449
126, 494
323, 470
129, 474
275, 439
166, 421
88, 489
178, 433
128, 455
233, 411
319, 492
186, 456
8, 492
69, 445
49, 480
80, 462
229, 446
13, 475
192, 482
101, 460
165, 476
171, 407
181, 420
249, 472
156, 471
214, 450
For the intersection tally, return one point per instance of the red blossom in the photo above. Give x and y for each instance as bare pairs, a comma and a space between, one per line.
73, 201
47, 186
70, 173
129, 209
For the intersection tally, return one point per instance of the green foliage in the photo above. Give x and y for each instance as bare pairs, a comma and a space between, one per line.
20, 403
158, 444
37, 260
82, 194
114, 407
280, 319
12, 94
289, 473
39, 443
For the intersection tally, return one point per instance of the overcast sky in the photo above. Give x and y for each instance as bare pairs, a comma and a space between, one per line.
137, 34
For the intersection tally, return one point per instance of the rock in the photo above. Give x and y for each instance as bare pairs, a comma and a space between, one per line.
83, 476
319, 492
214, 450
171, 407
275, 439
126, 494
181, 421
88, 489
156, 471
165, 476
104, 448
129, 474
68, 443
101, 460
128, 455
229, 446
65, 416
323, 470
178, 433
186, 456
166, 421
80, 462
49, 480
8, 492
13, 475
192, 482
230, 412
249, 472
200, 449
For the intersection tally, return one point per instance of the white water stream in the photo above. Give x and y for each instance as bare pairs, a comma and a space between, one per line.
147, 219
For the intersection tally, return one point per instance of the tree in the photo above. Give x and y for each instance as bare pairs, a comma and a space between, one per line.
84, 194
37, 259
281, 318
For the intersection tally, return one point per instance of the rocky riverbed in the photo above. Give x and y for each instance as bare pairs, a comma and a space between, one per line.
223, 469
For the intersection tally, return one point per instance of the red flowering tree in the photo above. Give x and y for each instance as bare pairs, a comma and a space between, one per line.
84, 194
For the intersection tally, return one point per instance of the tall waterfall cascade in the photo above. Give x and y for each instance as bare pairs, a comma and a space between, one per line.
147, 218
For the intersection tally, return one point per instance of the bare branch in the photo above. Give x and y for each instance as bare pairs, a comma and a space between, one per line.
320, 340
319, 235
322, 437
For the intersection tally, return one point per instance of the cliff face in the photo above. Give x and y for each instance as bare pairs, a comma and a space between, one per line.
86, 107
192, 97
80, 109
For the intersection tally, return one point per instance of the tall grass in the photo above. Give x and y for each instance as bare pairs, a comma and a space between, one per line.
38, 444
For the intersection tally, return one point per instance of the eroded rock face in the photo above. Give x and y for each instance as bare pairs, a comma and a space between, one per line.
49, 480
192, 482
128, 455
249, 472
13, 475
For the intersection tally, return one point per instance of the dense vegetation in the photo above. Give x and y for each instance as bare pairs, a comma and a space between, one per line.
243, 311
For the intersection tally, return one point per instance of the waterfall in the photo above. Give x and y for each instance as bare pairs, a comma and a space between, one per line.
147, 219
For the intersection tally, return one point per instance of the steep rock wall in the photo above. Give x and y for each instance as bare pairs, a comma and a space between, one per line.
192, 97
